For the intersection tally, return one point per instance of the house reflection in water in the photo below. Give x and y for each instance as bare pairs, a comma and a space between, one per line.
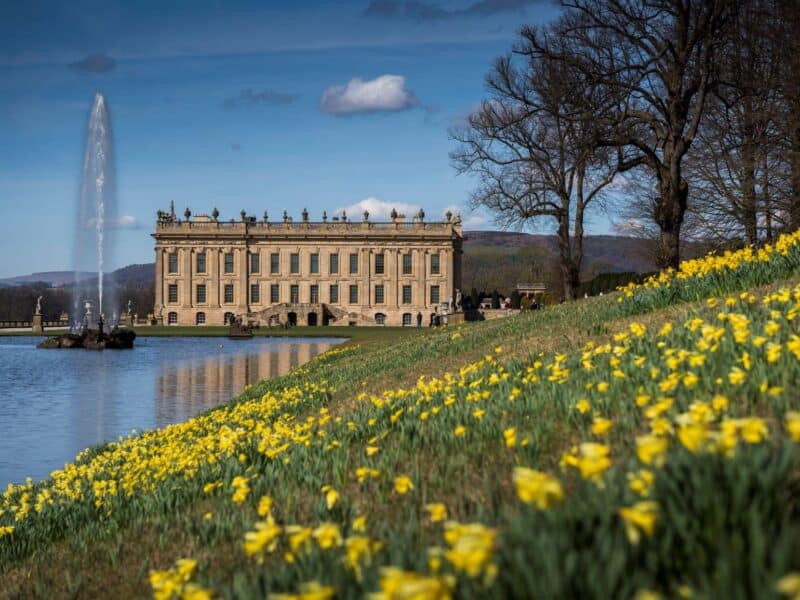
188, 388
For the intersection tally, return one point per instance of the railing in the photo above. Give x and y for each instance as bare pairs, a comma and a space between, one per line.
22, 324
304, 225
531, 286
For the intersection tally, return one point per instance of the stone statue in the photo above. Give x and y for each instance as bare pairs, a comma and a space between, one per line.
459, 299
39, 305
130, 306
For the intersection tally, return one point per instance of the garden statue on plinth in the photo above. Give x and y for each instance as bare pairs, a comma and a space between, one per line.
129, 319
36, 323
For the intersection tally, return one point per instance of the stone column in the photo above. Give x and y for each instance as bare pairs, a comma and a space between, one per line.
393, 271
447, 276
186, 279
212, 266
420, 267
159, 280
244, 280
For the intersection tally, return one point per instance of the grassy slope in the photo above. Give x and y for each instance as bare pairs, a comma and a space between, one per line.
80, 554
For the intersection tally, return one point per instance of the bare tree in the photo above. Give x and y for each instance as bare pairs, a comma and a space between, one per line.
656, 62
737, 164
786, 37
533, 147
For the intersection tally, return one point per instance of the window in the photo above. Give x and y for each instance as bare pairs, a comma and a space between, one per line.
228, 318
255, 293
406, 319
435, 264
406, 294
434, 294
294, 263
294, 294
407, 264
314, 294
314, 263
353, 264
172, 292
255, 263
229, 262
172, 318
379, 294
380, 319
274, 293
200, 318
274, 263
172, 262
201, 294
353, 294
334, 294
334, 264
229, 293
379, 264
201, 262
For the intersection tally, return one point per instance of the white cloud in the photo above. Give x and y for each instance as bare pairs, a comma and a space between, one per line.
631, 227
384, 93
379, 210
126, 222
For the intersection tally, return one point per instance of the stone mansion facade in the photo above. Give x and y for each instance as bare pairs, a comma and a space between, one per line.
329, 272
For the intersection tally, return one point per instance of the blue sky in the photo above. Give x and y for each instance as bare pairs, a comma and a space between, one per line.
239, 105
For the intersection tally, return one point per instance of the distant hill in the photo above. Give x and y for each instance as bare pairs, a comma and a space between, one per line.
52, 278
132, 274
616, 253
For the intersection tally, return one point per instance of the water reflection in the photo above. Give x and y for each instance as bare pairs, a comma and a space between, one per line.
187, 388
55, 403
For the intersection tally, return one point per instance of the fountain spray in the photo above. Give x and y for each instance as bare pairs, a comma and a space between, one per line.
96, 211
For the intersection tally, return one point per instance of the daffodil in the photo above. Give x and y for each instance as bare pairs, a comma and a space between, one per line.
437, 511
403, 484
639, 518
535, 487
651, 449
792, 420
327, 535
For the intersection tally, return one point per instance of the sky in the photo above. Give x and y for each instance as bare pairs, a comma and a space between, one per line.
324, 105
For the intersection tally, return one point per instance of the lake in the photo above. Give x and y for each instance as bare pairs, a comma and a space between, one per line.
55, 403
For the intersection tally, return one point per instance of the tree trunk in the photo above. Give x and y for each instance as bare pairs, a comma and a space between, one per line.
568, 289
577, 237
670, 210
748, 212
768, 201
794, 153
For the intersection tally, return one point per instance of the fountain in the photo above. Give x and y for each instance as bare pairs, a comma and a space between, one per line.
94, 240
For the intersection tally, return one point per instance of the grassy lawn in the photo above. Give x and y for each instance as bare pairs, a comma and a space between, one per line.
639, 443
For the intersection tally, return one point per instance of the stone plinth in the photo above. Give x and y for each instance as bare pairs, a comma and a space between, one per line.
36, 324
455, 318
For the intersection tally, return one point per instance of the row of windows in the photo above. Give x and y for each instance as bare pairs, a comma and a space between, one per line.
200, 318
294, 263
294, 294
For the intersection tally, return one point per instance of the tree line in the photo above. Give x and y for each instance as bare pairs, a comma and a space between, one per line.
681, 116
17, 303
